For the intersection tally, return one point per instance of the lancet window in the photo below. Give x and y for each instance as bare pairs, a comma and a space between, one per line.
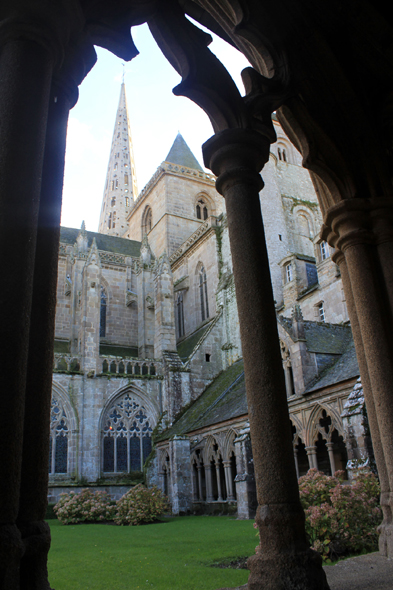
203, 294
180, 314
147, 221
58, 442
103, 308
127, 433
201, 209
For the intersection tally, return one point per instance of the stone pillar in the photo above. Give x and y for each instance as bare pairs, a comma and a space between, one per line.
236, 156
331, 457
200, 487
296, 462
194, 485
312, 457
33, 498
219, 490
229, 481
244, 481
209, 483
362, 233
25, 74
179, 449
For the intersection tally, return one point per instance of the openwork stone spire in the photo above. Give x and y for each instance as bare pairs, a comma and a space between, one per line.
120, 188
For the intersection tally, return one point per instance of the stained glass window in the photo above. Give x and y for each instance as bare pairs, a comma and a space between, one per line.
126, 435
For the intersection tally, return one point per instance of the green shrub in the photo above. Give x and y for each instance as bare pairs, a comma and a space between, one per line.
341, 518
86, 505
140, 505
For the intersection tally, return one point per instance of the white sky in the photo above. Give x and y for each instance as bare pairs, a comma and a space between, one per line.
156, 115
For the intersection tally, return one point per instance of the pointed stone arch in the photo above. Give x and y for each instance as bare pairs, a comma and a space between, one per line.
313, 428
147, 220
63, 434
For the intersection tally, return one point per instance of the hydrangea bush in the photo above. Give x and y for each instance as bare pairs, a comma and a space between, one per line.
341, 517
140, 505
86, 505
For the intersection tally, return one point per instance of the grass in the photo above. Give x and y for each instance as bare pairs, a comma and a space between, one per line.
175, 554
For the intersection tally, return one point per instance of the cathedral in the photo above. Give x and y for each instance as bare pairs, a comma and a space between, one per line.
148, 372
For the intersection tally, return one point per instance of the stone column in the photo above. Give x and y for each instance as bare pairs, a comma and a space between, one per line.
209, 483
200, 487
219, 490
33, 499
362, 233
25, 74
194, 485
229, 481
331, 457
312, 457
296, 462
236, 156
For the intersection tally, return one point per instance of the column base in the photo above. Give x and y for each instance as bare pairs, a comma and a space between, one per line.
300, 570
11, 550
33, 566
385, 541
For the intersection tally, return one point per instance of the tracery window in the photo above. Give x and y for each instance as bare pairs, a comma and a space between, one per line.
180, 314
103, 307
126, 435
201, 209
58, 442
147, 221
203, 294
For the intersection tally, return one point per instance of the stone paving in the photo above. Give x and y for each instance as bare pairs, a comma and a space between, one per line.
366, 572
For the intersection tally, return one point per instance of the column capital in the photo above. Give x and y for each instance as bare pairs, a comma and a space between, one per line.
50, 25
311, 450
236, 156
358, 221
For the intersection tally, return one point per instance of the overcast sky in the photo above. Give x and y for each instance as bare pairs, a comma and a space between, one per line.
156, 115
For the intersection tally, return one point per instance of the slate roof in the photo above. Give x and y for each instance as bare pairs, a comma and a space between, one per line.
321, 337
106, 243
222, 400
181, 154
346, 367
225, 398
185, 348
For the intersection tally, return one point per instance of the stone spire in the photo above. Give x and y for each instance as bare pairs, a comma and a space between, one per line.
120, 189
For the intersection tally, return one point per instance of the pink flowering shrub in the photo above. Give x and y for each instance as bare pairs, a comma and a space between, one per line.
341, 518
140, 505
86, 505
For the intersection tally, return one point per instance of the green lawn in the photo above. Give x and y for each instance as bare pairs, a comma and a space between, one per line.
172, 555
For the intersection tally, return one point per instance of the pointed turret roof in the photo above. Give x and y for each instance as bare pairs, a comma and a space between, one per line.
120, 189
181, 154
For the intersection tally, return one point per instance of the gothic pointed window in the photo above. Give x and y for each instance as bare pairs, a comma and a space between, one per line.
103, 308
110, 221
203, 294
201, 209
147, 220
58, 442
113, 201
126, 435
180, 314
